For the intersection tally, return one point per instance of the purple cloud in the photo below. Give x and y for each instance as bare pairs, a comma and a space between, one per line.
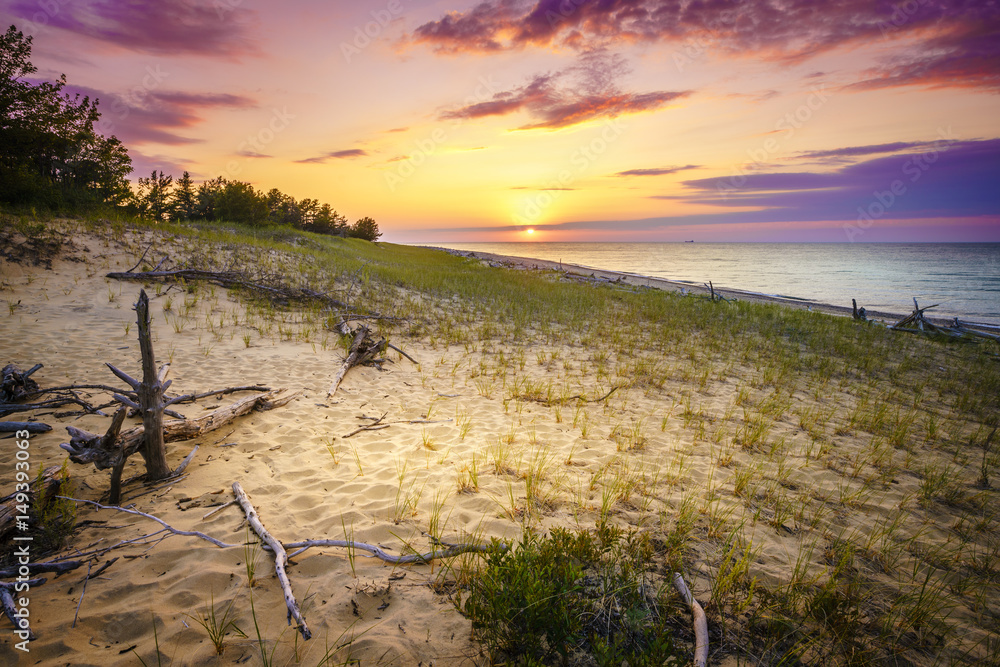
154, 116
959, 40
167, 27
947, 178
658, 171
854, 151
578, 94
348, 153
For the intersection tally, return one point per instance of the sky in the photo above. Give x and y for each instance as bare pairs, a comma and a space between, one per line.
560, 120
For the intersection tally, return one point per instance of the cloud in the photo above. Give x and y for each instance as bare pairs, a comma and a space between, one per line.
854, 151
167, 27
944, 178
657, 171
586, 91
933, 42
342, 154
154, 116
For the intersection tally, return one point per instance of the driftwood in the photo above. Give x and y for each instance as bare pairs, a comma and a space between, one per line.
150, 394
858, 313
916, 322
700, 622
271, 288
8, 506
280, 559
87, 447
40, 568
363, 350
377, 552
167, 528
30, 427
15, 384
7, 603
11, 408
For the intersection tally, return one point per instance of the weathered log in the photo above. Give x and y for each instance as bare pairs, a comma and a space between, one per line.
40, 568
81, 449
30, 427
8, 506
280, 559
15, 384
7, 603
700, 621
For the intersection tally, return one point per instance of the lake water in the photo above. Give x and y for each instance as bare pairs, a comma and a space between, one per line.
964, 278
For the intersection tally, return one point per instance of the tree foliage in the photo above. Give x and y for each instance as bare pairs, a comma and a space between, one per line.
366, 229
50, 153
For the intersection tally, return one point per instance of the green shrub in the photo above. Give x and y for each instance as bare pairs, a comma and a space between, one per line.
571, 594
53, 519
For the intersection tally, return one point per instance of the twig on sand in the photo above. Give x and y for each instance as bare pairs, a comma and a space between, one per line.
166, 526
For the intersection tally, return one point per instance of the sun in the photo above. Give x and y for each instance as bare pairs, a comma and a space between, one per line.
530, 231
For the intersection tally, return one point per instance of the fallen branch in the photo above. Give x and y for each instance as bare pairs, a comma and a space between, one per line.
7, 602
30, 427
377, 552
393, 347
700, 622
11, 408
280, 559
166, 526
41, 568
235, 279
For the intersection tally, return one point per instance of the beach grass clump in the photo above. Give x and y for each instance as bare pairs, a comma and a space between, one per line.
572, 596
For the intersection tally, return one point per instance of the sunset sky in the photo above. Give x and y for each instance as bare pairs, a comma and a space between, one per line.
572, 120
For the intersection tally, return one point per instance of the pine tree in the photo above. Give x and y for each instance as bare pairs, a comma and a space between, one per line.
185, 205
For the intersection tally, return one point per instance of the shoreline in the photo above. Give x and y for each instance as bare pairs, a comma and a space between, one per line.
634, 279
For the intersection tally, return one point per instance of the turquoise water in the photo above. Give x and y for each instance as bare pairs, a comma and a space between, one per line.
964, 278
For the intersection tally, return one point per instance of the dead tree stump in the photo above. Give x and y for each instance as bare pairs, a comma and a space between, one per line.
150, 394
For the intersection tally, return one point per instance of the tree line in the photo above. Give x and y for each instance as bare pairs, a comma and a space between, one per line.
52, 156
159, 197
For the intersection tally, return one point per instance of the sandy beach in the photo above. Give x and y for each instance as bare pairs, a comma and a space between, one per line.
485, 436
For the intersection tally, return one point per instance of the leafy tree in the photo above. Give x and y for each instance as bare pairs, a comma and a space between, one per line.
207, 199
366, 229
153, 198
240, 202
50, 152
328, 221
282, 209
185, 203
